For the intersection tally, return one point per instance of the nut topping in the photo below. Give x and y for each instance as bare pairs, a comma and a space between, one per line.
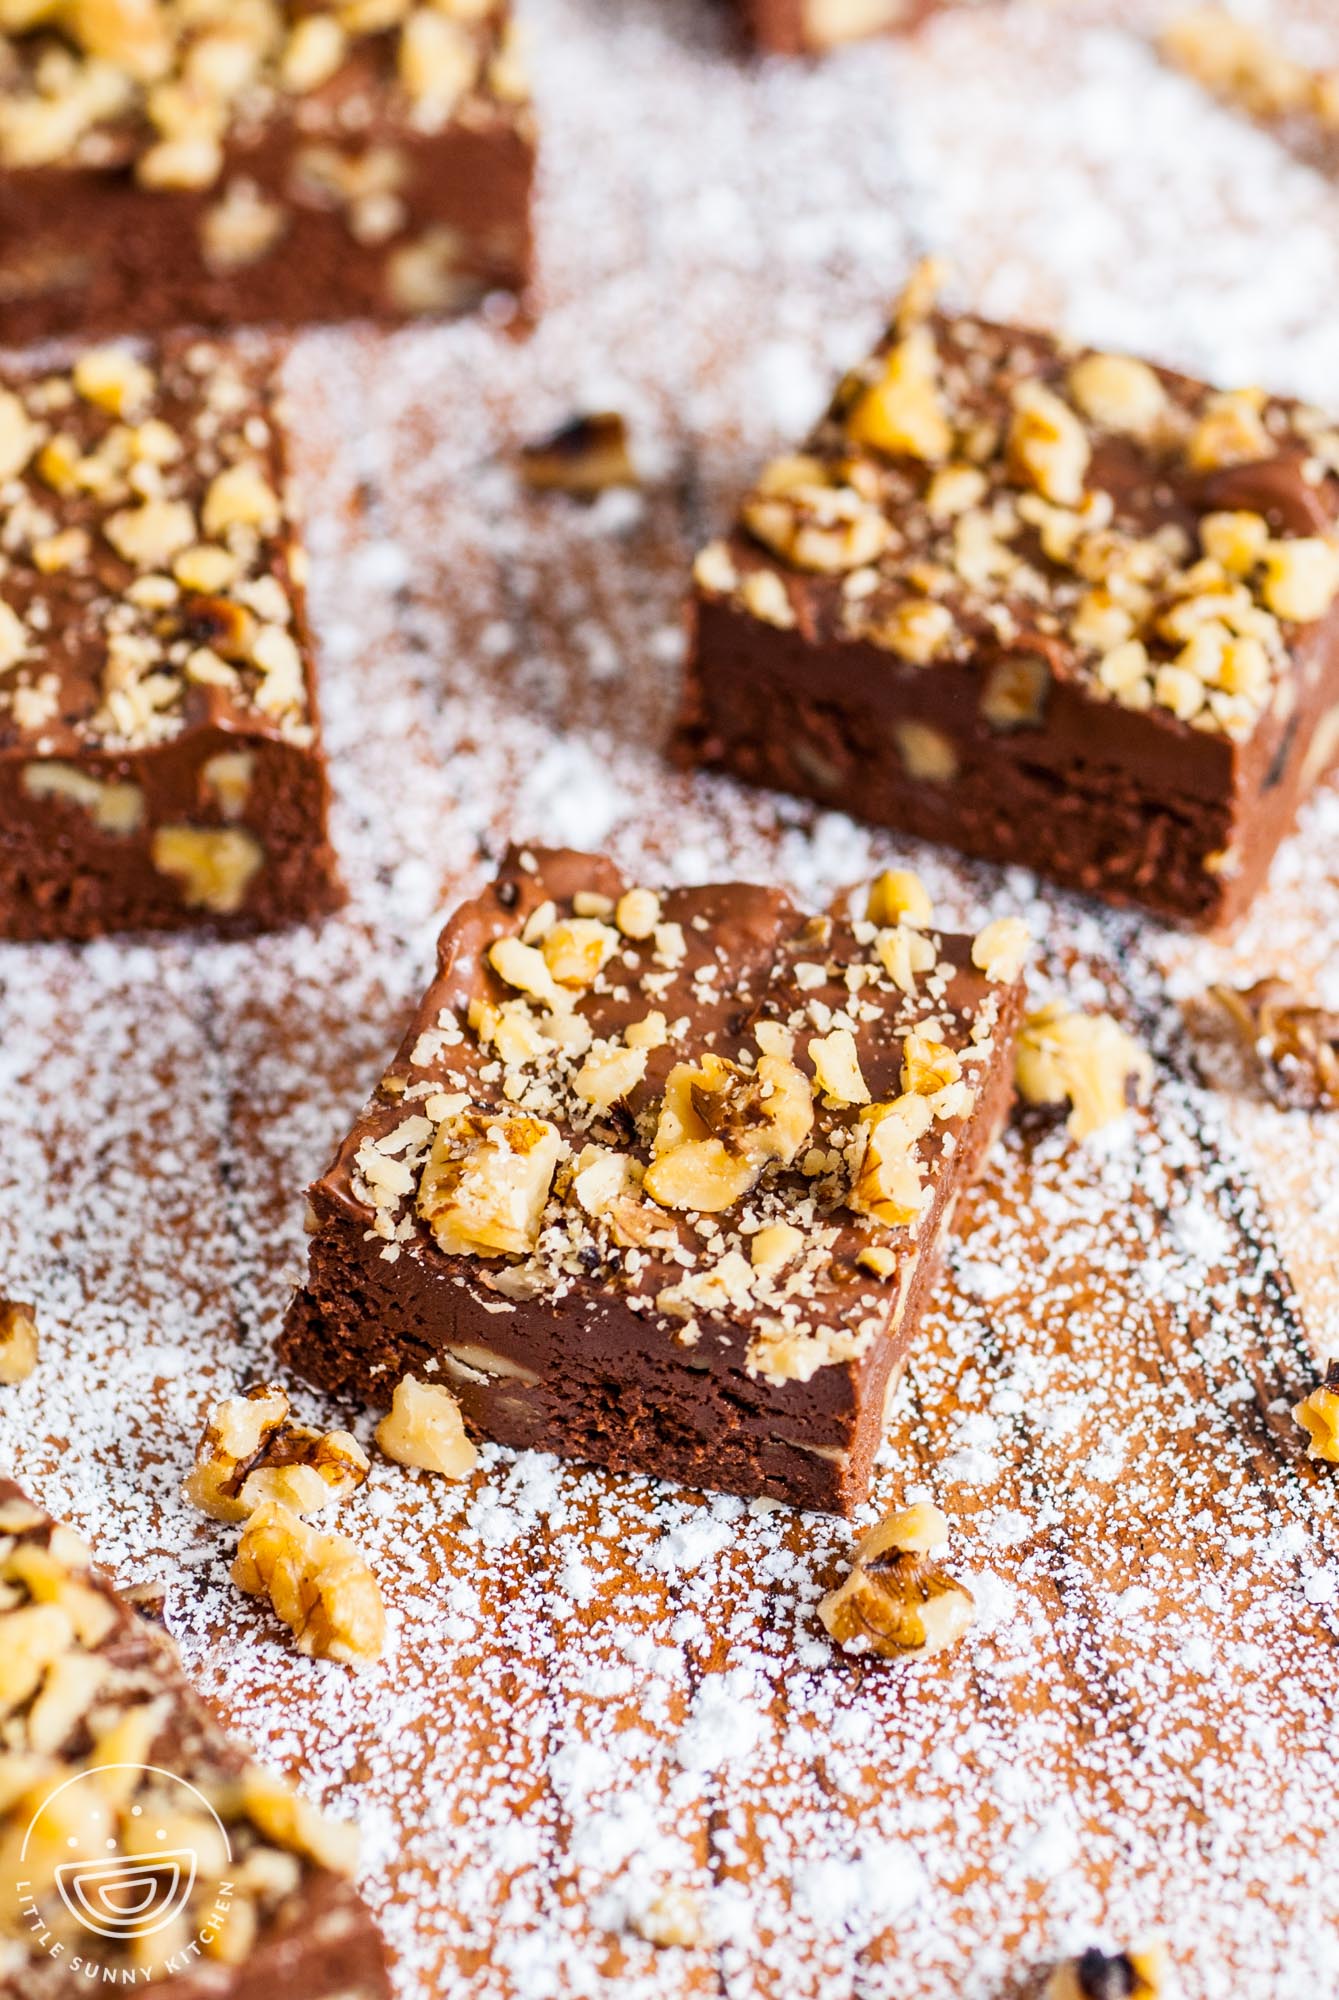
487, 1180
896, 1602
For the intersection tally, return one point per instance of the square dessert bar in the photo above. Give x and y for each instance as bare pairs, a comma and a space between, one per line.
1047, 605
202, 162
659, 1180
123, 1802
160, 762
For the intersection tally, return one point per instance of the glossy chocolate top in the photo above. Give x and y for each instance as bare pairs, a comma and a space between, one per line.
699, 1098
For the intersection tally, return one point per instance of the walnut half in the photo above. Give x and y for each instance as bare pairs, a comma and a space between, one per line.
318, 1584
896, 1602
252, 1453
18, 1341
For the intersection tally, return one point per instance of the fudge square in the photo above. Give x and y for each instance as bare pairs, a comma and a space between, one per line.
1050, 606
205, 162
160, 762
121, 1796
660, 1180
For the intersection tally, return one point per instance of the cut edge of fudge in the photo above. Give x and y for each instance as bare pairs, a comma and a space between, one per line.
160, 753
1045, 604
115, 1777
658, 1180
218, 166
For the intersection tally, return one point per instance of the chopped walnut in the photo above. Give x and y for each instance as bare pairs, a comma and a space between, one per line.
318, 1584
486, 1183
251, 1452
1318, 1414
903, 412
1296, 1042
1000, 950
896, 1602
425, 1429
721, 1125
18, 1341
1086, 1060
585, 457
672, 1916
899, 897
1121, 1975
888, 1184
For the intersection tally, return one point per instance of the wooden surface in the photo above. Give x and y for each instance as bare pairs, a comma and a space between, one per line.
598, 1687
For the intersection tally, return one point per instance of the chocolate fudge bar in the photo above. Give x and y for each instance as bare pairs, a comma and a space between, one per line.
138, 1843
165, 164
160, 761
658, 1180
1050, 606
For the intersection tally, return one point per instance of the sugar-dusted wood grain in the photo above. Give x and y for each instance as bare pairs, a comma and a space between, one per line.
598, 1687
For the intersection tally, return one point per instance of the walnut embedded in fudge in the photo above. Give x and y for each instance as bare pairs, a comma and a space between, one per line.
584, 1109
983, 493
897, 1602
252, 1452
18, 1341
1087, 1061
103, 1740
1295, 1042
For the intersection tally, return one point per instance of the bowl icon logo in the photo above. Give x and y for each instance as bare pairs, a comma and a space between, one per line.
129, 1873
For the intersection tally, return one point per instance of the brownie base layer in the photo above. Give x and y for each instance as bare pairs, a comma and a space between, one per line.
64, 876
590, 1379
88, 253
1079, 798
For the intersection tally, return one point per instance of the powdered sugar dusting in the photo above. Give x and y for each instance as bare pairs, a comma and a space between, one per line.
599, 1687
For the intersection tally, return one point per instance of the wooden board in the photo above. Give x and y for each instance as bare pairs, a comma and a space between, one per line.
599, 1687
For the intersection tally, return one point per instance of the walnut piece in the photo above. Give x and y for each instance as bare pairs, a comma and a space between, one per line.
214, 864
251, 1453
720, 1125
672, 1916
896, 1602
18, 1341
1318, 1414
1123, 1975
486, 1182
318, 1584
1086, 1060
425, 1428
1296, 1043
587, 455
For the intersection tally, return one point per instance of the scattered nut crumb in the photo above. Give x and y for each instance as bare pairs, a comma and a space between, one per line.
18, 1341
896, 1602
425, 1428
1086, 1060
1121, 1975
584, 457
673, 1916
1318, 1414
318, 1584
1296, 1043
252, 1453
